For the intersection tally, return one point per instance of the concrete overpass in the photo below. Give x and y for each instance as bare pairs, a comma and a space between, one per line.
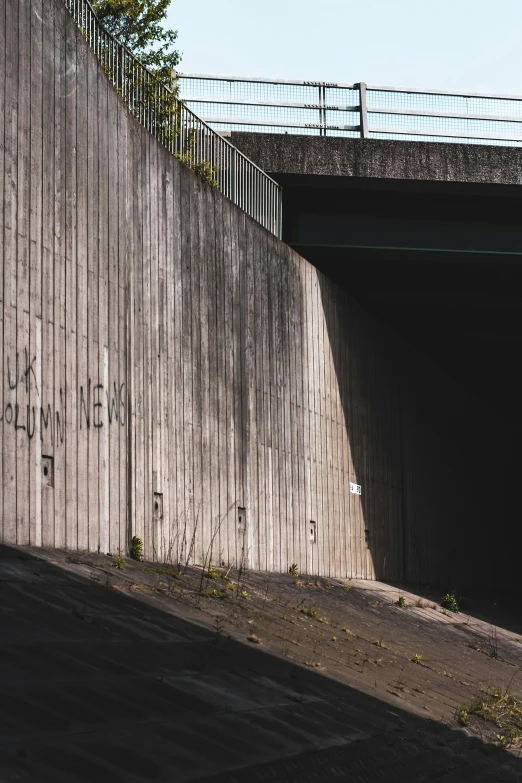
427, 236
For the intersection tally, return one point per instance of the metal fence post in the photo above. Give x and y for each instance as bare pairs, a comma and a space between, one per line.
233, 177
363, 109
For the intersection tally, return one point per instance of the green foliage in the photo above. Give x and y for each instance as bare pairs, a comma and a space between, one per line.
417, 658
311, 612
499, 709
138, 24
462, 715
293, 570
149, 92
211, 573
136, 548
401, 602
165, 570
221, 594
450, 602
203, 168
118, 562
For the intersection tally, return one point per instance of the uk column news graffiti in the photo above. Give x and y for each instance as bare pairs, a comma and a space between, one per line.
26, 409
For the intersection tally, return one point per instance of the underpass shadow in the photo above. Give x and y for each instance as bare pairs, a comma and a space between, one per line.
420, 447
99, 685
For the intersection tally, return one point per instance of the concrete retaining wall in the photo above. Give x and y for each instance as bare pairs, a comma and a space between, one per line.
171, 370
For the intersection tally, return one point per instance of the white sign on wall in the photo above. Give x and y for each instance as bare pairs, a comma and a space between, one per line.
355, 489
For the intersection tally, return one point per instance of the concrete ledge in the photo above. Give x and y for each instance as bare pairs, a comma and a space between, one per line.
415, 160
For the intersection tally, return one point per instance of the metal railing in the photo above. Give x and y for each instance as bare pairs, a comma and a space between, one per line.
177, 127
231, 103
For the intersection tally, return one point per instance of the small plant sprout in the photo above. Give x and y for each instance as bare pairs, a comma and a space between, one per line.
244, 594
311, 612
417, 658
211, 573
293, 570
254, 639
380, 643
334, 639
136, 548
118, 562
401, 602
450, 602
462, 715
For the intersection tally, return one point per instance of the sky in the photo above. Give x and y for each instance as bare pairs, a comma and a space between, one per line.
433, 44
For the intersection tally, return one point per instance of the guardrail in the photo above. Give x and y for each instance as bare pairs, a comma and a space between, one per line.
353, 110
180, 130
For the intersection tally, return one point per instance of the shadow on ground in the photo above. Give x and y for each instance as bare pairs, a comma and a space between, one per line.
131, 676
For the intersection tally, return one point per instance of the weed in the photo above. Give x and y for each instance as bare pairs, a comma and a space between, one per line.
500, 709
74, 559
293, 570
417, 658
380, 643
118, 562
333, 639
400, 685
450, 602
243, 594
136, 548
218, 625
164, 570
212, 593
254, 639
211, 573
311, 612
348, 587
462, 715
401, 602
492, 645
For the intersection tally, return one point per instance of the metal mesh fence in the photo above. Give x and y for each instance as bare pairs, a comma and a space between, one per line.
175, 126
323, 108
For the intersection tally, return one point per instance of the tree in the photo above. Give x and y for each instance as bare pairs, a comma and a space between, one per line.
138, 24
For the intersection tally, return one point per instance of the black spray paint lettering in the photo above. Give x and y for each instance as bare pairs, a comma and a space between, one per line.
28, 369
12, 377
97, 404
93, 402
12, 385
25, 420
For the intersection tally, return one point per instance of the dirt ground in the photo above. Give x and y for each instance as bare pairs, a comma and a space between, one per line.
145, 673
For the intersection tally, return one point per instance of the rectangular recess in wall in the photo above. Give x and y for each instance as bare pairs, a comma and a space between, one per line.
47, 471
313, 532
157, 508
241, 519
